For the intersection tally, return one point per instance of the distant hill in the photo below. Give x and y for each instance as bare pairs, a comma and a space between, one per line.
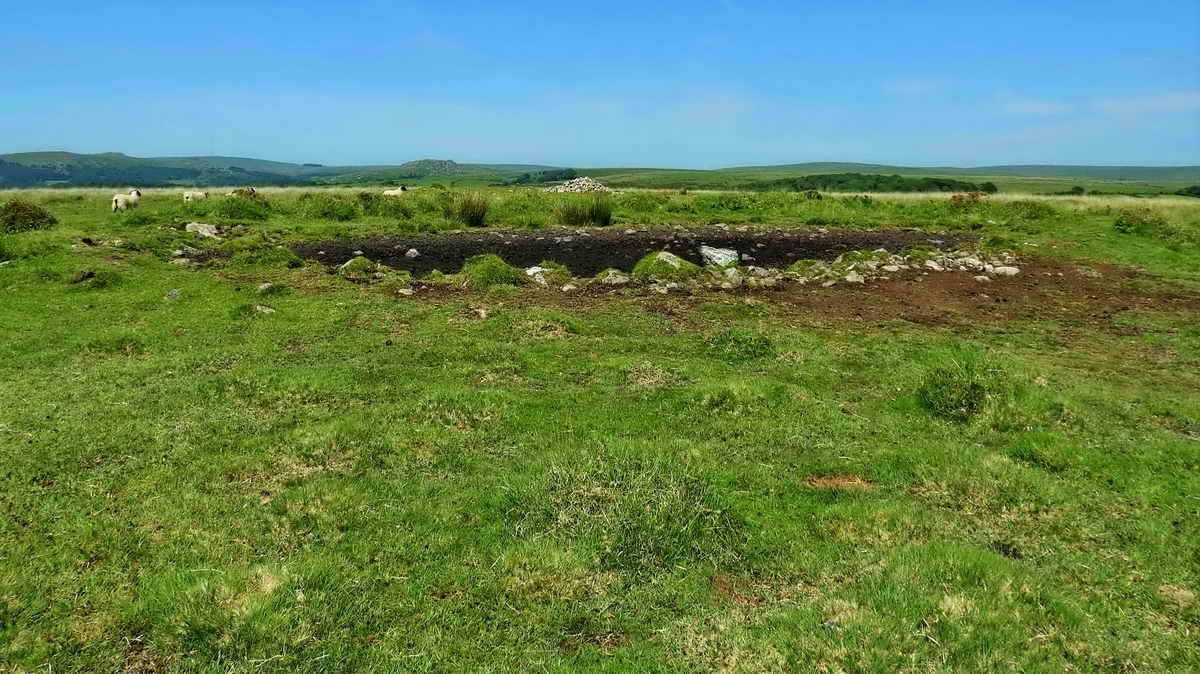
114, 169
42, 169
1151, 173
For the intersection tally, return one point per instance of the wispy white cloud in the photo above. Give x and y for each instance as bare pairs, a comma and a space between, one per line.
1170, 102
1030, 107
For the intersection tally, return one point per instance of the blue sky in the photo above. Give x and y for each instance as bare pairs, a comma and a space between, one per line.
679, 84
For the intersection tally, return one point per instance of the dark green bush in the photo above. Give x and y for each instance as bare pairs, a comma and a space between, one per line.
20, 215
1139, 220
241, 208
1029, 209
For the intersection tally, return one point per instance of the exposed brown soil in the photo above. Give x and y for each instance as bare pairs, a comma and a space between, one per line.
1046, 289
838, 482
586, 252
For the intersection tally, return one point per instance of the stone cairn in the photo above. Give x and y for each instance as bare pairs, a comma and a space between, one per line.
580, 184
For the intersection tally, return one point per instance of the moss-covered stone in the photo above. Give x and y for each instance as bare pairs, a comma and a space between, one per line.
665, 266
358, 268
484, 271
549, 273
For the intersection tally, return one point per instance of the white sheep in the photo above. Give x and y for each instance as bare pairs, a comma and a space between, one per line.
195, 196
396, 192
124, 202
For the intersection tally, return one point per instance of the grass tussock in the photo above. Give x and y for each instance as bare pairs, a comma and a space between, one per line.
327, 206
739, 345
964, 385
592, 210
471, 209
635, 513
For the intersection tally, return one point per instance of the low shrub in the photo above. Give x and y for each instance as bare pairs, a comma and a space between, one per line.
1029, 209
20, 215
1139, 220
241, 208
471, 209
327, 206
485, 271
739, 345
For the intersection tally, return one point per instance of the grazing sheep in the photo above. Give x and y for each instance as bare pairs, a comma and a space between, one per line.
124, 202
396, 192
195, 196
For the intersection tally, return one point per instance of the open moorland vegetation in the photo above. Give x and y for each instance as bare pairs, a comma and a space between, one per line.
312, 430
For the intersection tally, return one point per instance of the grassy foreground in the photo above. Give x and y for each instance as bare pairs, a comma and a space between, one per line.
488, 482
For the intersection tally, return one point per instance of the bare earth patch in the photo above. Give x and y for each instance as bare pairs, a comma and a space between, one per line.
839, 482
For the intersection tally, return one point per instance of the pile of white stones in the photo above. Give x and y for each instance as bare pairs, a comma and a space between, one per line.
580, 184
862, 266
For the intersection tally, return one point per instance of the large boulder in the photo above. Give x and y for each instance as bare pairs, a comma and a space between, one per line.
718, 257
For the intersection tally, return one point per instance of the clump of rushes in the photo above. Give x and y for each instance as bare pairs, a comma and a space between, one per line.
471, 209
582, 211
486, 271
664, 266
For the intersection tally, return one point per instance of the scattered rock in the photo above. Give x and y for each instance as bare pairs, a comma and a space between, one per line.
854, 277
568, 288
407, 292
537, 275
412, 253
263, 309
264, 287
181, 260
1006, 271
612, 277
933, 266
202, 229
983, 279
718, 257
171, 295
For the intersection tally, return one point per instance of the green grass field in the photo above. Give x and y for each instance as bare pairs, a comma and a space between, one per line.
505, 481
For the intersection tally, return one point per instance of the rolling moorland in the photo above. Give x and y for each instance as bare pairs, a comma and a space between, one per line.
245, 445
64, 169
